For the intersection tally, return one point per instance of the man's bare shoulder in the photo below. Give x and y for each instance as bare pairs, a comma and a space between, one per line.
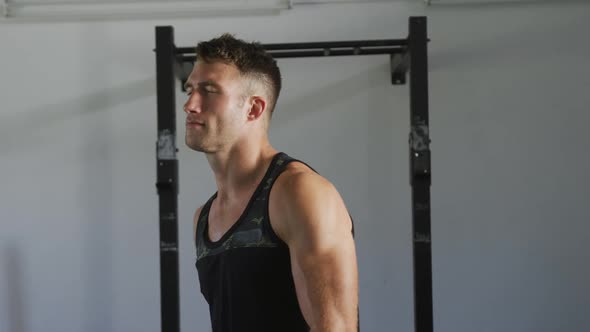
299, 176
299, 195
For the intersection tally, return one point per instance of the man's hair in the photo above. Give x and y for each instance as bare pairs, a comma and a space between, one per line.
251, 59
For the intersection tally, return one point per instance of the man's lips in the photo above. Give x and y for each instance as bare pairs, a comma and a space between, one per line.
194, 123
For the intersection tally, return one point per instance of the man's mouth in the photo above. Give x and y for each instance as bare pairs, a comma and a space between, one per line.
194, 124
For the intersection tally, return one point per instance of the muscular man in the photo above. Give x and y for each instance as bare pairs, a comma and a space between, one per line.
274, 244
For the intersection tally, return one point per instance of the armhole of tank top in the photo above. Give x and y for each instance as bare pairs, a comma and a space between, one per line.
200, 222
266, 220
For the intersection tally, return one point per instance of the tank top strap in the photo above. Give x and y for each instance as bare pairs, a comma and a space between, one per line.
202, 219
279, 165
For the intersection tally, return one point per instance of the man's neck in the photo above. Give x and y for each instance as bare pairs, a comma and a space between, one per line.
238, 171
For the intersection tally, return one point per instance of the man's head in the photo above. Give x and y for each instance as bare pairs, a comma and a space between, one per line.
233, 89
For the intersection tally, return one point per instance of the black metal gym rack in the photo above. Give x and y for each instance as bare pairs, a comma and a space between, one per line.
407, 55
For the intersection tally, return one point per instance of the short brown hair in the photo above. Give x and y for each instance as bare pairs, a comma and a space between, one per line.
250, 58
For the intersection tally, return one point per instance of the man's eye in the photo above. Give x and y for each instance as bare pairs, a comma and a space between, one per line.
206, 90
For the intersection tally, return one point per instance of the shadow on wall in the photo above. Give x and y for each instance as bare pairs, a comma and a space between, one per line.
21, 131
95, 184
455, 5
326, 97
548, 38
12, 271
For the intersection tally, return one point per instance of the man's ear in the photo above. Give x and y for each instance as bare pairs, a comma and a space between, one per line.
257, 107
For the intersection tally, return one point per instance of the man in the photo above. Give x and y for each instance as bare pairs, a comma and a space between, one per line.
275, 247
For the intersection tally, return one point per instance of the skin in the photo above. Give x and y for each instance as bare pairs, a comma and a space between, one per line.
227, 119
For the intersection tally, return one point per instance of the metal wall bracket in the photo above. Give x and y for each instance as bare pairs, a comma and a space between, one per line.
182, 71
400, 63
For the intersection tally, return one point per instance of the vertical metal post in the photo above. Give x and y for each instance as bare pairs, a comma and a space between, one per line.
167, 179
420, 179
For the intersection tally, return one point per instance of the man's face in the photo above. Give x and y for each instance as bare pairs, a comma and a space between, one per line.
215, 110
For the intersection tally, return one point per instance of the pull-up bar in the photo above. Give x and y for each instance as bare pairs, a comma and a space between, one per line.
317, 49
320, 45
396, 48
406, 55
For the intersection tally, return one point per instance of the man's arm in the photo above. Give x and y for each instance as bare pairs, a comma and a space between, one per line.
318, 230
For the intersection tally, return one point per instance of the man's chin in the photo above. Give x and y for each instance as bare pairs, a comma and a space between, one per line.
196, 148
193, 146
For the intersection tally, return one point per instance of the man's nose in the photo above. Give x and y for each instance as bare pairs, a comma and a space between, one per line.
193, 104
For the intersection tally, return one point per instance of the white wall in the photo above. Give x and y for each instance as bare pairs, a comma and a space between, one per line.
508, 100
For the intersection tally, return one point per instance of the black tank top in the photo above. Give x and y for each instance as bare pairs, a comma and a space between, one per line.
246, 275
